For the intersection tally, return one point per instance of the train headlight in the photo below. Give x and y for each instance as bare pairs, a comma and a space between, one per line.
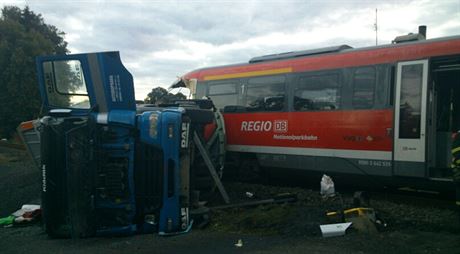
153, 128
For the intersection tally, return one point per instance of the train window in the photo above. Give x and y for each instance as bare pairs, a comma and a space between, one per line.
364, 80
223, 94
410, 101
222, 89
265, 94
321, 92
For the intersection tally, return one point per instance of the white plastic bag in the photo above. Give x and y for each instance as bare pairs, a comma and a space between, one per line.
24, 209
327, 186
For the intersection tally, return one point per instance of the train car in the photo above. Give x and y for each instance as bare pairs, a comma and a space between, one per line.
386, 110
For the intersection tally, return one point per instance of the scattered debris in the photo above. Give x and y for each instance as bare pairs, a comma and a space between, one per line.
355, 212
327, 187
364, 220
27, 214
338, 229
249, 194
26, 208
6, 221
380, 223
29, 217
239, 243
363, 225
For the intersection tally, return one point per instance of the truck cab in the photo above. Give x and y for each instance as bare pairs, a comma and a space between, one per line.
107, 166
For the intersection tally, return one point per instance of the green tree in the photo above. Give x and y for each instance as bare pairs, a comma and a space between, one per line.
159, 95
23, 36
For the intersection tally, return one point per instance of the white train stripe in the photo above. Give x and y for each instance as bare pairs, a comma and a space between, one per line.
353, 154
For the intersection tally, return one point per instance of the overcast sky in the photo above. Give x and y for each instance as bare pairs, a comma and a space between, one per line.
161, 40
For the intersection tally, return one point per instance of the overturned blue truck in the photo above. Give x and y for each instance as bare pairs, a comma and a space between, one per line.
111, 167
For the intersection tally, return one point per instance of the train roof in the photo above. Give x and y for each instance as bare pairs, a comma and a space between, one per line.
295, 56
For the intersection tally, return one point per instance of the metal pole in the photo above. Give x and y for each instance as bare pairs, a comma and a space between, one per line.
376, 29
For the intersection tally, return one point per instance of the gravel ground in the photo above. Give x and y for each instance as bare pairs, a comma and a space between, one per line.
289, 228
19, 180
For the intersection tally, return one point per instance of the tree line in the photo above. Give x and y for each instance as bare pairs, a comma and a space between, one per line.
23, 36
159, 95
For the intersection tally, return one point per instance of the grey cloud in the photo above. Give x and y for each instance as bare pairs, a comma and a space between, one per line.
140, 29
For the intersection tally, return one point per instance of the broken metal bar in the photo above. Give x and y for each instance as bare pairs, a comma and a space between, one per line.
204, 153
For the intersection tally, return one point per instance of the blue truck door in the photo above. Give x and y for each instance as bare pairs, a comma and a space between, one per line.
93, 97
83, 82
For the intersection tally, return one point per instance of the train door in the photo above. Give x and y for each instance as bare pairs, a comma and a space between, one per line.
445, 114
410, 118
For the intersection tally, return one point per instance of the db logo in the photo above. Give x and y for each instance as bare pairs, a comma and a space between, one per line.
281, 126
264, 126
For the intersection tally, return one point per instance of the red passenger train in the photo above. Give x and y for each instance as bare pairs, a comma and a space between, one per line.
386, 110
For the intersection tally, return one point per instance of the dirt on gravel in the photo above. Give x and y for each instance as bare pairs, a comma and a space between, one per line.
412, 227
302, 218
19, 180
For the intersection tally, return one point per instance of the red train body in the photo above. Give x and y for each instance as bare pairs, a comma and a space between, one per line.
387, 110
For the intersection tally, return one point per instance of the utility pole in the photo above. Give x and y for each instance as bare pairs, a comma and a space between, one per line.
376, 29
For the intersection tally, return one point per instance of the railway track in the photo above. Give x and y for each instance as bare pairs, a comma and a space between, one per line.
416, 198
376, 192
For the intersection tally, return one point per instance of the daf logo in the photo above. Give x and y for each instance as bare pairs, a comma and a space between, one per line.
184, 135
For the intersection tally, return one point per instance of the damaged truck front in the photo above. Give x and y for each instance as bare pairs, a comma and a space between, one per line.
107, 166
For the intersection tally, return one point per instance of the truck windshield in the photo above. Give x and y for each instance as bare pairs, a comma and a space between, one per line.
65, 84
